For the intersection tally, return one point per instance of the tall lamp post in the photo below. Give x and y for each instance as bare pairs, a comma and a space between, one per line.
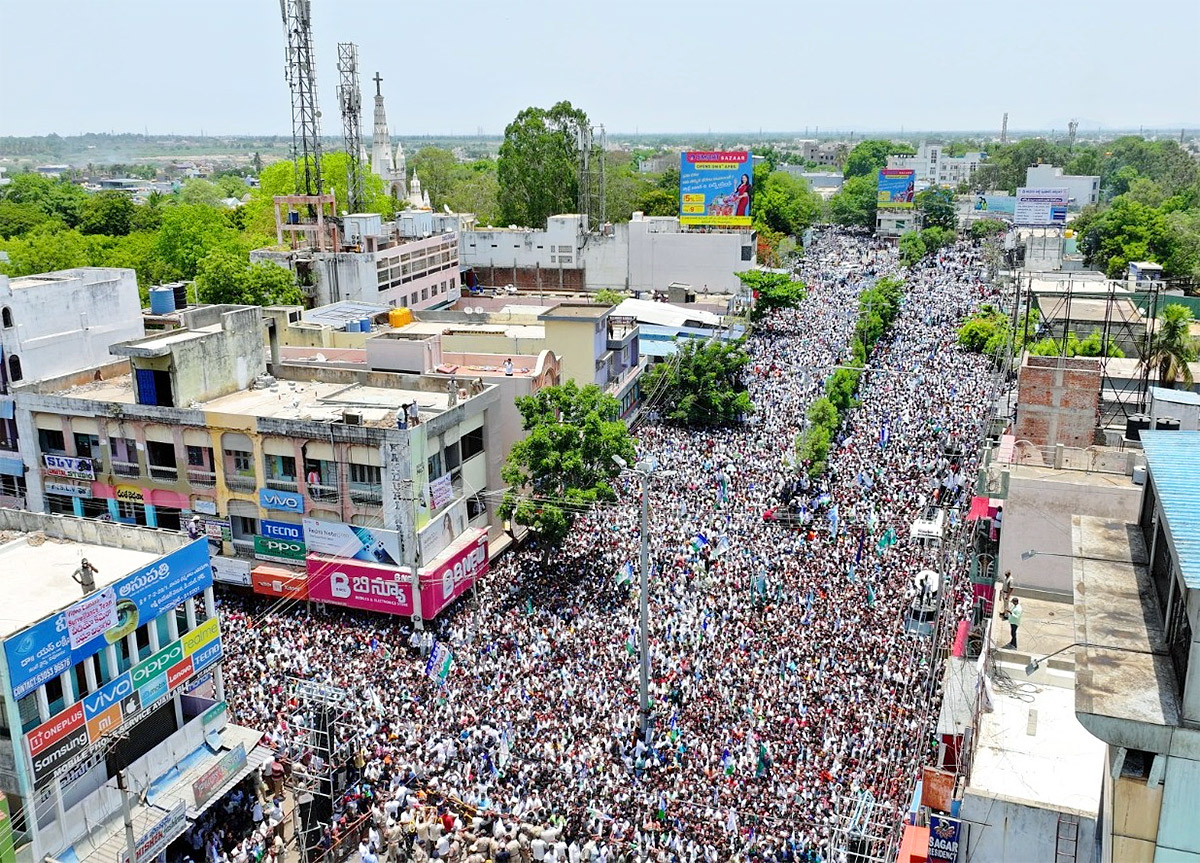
643, 468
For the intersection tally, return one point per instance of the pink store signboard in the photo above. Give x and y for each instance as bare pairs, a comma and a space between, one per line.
355, 584
388, 590
466, 560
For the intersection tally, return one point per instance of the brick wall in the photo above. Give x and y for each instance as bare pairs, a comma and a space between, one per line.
532, 278
1057, 400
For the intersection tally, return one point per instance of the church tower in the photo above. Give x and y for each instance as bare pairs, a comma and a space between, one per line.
381, 146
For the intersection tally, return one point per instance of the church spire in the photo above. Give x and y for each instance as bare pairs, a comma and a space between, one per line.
381, 145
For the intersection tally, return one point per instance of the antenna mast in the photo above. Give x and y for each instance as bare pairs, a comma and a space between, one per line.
350, 100
302, 79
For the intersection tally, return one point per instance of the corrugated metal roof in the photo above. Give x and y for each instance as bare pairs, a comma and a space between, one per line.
1178, 397
1171, 457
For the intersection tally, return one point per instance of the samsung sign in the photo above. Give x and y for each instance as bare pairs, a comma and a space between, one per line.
285, 501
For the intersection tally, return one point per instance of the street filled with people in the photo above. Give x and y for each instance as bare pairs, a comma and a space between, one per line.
786, 691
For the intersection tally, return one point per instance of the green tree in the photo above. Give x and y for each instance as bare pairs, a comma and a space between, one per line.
1125, 231
1172, 347
936, 206
20, 218
785, 204
226, 277
609, 297
912, 248
936, 238
854, 204
869, 156
108, 213
439, 172
538, 164
46, 248
565, 463
60, 199
188, 234
772, 291
702, 385
200, 191
987, 228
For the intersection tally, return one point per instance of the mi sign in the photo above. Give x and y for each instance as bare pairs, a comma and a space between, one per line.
285, 501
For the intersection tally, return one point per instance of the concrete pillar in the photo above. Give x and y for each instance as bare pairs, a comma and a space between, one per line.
151, 515
77, 506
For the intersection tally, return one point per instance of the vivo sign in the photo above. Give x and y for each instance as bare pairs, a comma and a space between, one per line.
285, 501
113, 692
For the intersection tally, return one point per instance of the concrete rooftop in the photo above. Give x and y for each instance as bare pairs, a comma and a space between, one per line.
35, 575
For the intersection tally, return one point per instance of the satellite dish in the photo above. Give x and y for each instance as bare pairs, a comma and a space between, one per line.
446, 207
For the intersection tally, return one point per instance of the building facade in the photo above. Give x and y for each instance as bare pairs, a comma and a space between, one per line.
934, 166
1083, 189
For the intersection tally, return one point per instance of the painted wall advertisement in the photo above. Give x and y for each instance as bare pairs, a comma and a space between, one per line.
69, 467
1041, 207
353, 541
58, 744
896, 187
715, 188
49, 648
945, 836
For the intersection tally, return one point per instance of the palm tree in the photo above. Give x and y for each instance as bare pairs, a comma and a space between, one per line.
1172, 347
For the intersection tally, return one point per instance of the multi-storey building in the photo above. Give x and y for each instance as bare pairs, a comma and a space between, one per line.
193, 426
125, 679
935, 167
52, 323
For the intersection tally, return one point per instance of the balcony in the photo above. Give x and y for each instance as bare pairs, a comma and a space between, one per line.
239, 482
324, 493
366, 494
126, 468
199, 477
281, 484
164, 473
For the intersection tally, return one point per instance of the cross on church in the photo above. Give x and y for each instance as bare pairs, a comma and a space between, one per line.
378, 80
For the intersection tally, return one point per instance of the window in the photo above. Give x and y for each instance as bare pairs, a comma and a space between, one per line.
424, 293
451, 456
143, 640
160, 454
281, 467
14, 368
51, 441
471, 443
6, 318
364, 474
747, 253
55, 695
87, 445
476, 505
199, 456
241, 462
244, 527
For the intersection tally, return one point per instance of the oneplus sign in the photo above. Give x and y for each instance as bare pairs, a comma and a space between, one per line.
45, 761
56, 729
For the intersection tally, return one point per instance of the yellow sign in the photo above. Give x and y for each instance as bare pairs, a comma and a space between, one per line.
200, 636
129, 494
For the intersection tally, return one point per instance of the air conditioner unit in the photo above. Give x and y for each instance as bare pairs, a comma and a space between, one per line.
352, 418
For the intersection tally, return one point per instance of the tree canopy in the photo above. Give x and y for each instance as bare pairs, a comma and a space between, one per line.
565, 463
538, 165
855, 203
227, 277
1172, 347
702, 385
772, 291
869, 156
936, 206
784, 203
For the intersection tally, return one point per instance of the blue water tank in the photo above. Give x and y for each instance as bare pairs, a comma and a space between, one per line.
352, 326
364, 325
162, 301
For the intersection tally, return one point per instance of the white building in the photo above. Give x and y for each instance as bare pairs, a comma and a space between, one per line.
645, 254
1083, 189
932, 165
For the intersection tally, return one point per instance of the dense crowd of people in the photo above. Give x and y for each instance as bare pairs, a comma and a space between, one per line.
786, 690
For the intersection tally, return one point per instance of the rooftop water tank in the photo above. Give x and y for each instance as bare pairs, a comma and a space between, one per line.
364, 325
1167, 424
1135, 425
352, 326
399, 317
162, 301
180, 289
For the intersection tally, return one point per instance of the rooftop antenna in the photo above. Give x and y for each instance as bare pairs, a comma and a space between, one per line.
1072, 128
1004, 129
302, 79
350, 101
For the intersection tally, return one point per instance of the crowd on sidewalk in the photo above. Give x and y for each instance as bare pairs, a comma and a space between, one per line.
785, 688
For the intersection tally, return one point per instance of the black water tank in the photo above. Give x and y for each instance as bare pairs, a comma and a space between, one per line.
180, 289
1166, 424
1135, 425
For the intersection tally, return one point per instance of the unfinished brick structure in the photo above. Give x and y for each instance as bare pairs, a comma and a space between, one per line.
1057, 401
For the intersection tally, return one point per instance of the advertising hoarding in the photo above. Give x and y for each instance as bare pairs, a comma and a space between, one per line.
1042, 207
230, 570
715, 188
68, 466
48, 648
996, 205
444, 582
896, 188
284, 501
352, 541
353, 584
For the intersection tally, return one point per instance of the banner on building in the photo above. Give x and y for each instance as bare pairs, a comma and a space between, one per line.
441, 490
1041, 207
230, 570
353, 584
896, 188
216, 776
47, 648
442, 583
352, 541
69, 467
715, 188
945, 837
165, 831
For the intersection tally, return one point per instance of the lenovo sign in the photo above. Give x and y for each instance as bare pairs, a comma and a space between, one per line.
144, 672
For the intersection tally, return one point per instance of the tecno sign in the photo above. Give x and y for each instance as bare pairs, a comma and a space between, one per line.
144, 672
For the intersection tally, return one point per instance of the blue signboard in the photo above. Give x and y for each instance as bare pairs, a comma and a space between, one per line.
999, 205
945, 835
715, 188
206, 655
281, 530
285, 501
895, 188
44, 650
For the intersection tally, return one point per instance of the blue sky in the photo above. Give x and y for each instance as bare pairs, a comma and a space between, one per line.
70, 66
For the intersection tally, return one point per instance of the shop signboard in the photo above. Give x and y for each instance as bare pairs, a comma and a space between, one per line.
276, 582
155, 841
283, 501
69, 467
279, 550
352, 541
48, 648
129, 494
353, 584
945, 836
208, 784
452, 578
68, 489
218, 529
230, 570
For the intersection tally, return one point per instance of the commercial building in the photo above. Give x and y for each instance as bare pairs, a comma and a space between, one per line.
125, 678
1137, 650
932, 165
50, 324
192, 425
645, 254
1083, 189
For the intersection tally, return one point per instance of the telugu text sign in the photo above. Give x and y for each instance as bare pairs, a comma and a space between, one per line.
358, 585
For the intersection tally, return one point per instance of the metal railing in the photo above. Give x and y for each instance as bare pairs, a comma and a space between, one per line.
236, 482
197, 476
324, 493
162, 472
126, 468
282, 484
366, 494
